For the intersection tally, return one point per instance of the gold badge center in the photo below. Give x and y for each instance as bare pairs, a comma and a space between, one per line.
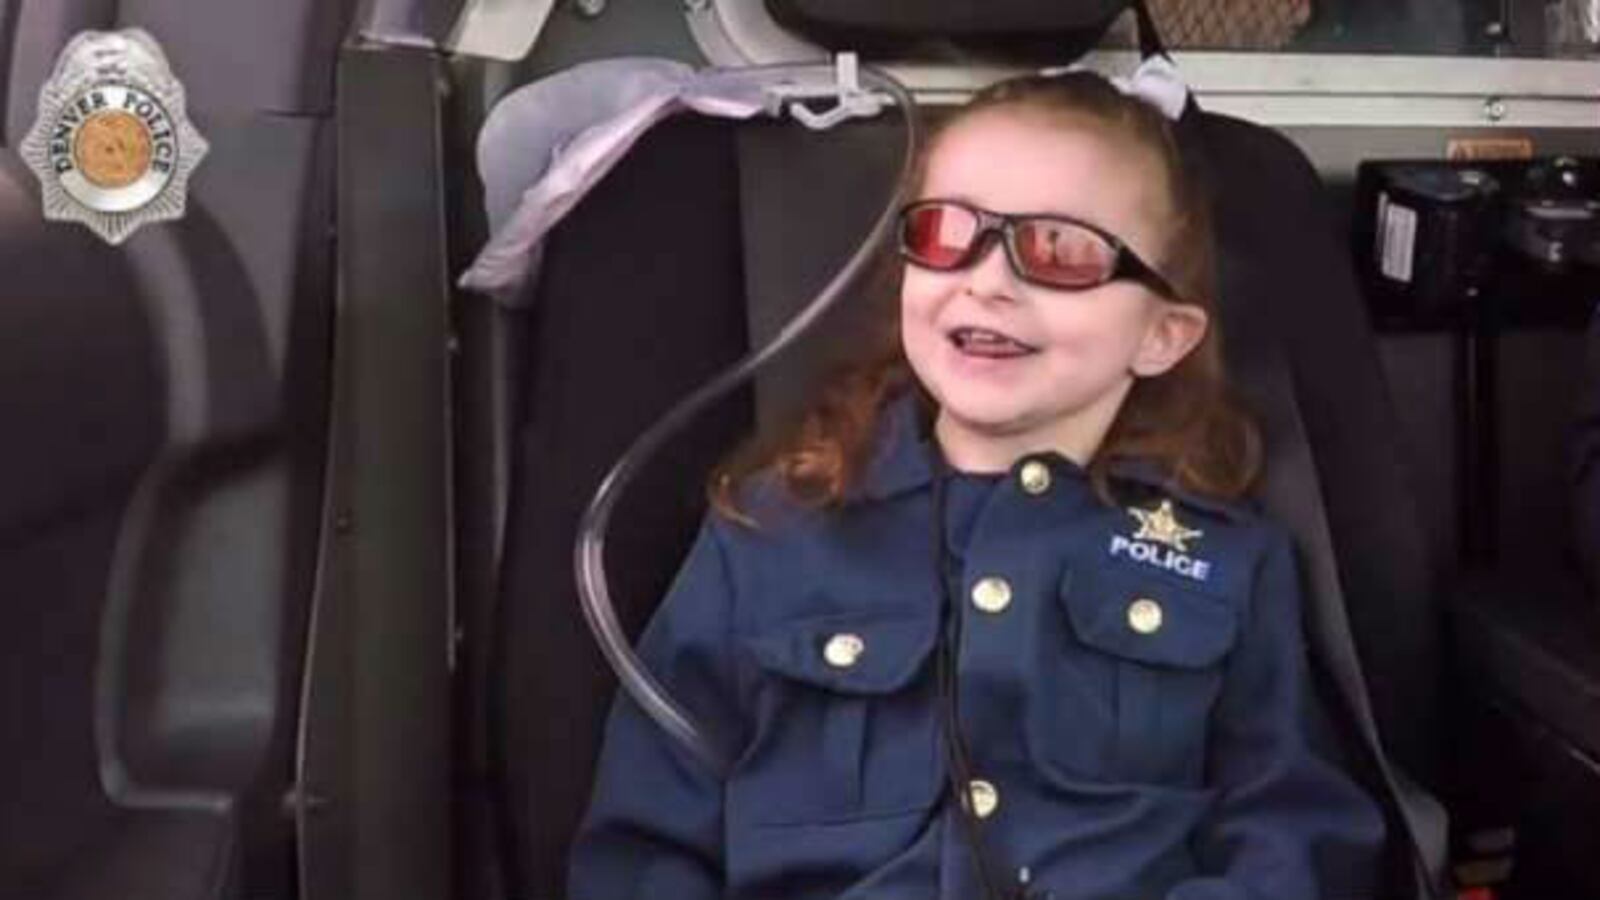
112, 149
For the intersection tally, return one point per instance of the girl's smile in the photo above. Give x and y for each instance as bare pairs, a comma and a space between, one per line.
985, 343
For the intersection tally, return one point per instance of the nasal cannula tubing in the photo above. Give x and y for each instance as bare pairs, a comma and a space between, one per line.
589, 553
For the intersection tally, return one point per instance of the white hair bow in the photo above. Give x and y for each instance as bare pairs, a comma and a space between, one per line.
1156, 82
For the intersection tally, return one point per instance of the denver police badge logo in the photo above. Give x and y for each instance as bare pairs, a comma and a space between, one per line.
1162, 541
113, 147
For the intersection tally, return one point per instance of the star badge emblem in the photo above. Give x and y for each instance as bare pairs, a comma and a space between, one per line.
113, 146
1161, 525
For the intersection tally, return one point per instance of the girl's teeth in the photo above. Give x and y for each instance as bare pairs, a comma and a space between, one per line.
980, 342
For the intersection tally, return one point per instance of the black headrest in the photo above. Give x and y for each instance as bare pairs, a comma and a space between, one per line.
1071, 26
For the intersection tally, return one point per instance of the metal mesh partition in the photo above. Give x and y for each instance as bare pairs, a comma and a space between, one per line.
1230, 24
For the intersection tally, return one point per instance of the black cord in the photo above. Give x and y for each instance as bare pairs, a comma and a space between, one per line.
958, 757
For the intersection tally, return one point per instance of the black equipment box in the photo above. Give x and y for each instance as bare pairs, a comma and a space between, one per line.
1437, 242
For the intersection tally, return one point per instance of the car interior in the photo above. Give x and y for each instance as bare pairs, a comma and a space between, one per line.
287, 516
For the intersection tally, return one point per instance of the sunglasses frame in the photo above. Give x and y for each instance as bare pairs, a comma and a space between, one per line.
1126, 265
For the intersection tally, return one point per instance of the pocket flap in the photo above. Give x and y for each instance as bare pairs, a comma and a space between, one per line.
1147, 619
854, 654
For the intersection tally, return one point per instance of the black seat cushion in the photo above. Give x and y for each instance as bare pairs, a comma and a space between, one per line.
148, 855
81, 395
83, 410
639, 301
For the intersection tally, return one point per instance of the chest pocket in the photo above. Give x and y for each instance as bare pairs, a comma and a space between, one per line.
844, 722
1162, 649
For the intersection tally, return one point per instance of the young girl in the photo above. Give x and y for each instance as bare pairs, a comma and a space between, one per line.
993, 621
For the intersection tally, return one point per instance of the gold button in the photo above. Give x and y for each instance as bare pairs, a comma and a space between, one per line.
992, 595
1144, 616
985, 798
1035, 477
842, 650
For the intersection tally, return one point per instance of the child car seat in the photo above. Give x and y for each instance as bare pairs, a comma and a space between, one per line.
708, 235
722, 213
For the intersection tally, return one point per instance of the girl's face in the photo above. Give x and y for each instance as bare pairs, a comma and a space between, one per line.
1015, 367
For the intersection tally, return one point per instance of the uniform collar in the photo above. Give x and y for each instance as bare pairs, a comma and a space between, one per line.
903, 462
905, 457
902, 459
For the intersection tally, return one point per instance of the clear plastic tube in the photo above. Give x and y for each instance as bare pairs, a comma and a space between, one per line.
594, 588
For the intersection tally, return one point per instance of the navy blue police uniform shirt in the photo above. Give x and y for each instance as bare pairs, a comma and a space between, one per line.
1133, 686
